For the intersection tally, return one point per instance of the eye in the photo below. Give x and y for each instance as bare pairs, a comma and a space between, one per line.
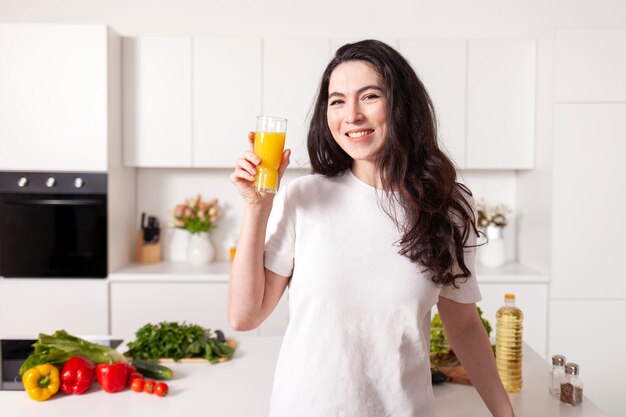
371, 96
335, 102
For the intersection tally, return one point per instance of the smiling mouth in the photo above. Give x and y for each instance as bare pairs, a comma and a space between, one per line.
359, 134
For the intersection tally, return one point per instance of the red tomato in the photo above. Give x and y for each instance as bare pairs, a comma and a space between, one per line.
137, 384
148, 386
135, 375
161, 389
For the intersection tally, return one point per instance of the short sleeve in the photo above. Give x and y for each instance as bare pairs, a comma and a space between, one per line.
467, 291
280, 236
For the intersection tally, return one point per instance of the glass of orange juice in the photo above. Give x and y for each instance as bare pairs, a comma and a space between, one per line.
269, 142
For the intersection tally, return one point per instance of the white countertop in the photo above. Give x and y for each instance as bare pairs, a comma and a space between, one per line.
172, 272
218, 272
242, 387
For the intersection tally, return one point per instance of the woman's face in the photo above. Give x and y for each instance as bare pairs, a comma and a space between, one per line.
356, 110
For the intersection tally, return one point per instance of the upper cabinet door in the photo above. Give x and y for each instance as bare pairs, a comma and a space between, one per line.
501, 104
590, 65
157, 102
226, 98
442, 65
53, 97
292, 70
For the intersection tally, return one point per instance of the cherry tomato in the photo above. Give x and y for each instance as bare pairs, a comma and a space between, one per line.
149, 385
137, 384
134, 375
161, 389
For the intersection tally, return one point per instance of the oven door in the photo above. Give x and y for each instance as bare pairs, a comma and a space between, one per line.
53, 235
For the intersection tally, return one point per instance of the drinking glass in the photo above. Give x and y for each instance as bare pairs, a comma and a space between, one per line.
269, 142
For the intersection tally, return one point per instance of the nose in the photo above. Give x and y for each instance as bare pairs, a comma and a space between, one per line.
354, 113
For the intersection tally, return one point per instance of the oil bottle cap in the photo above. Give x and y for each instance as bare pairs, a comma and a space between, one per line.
572, 368
558, 360
509, 296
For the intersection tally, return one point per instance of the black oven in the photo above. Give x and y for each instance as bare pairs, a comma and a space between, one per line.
53, 225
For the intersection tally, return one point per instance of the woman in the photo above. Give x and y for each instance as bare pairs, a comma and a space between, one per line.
375, 237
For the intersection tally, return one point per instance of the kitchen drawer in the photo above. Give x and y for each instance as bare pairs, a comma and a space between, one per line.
32, 306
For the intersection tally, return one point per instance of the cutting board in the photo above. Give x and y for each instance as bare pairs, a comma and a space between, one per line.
455, 374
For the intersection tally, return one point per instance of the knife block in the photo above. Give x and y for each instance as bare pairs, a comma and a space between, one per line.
147, 253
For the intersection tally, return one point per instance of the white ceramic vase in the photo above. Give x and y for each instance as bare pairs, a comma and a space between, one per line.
176, 245
200, 250
492, 254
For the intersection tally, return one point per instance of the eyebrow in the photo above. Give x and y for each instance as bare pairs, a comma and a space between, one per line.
359, 91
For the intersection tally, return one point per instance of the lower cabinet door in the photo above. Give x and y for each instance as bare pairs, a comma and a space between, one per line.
136, 304
32, 306
532, 299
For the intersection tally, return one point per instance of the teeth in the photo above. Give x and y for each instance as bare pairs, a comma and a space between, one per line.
359, 134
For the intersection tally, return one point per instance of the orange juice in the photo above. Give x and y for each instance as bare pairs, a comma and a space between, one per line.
269, 147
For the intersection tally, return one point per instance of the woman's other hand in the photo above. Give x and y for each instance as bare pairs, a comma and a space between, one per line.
246, 169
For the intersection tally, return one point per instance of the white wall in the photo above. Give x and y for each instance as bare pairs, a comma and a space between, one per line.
159, 190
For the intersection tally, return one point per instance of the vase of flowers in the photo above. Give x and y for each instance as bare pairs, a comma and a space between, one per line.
198, 218
200, 250
491, 221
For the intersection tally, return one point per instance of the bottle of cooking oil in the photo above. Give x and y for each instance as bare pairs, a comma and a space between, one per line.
509, 344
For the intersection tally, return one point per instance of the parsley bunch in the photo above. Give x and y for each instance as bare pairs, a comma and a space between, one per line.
178, 341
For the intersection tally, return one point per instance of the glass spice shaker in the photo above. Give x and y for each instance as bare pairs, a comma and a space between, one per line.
557, 373
572, 385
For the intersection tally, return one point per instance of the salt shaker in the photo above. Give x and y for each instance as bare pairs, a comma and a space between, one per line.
572, 385
558, 372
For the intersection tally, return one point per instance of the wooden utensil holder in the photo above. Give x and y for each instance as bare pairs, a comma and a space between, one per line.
147, 253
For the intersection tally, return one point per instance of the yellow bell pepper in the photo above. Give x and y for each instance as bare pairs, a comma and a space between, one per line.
41, 382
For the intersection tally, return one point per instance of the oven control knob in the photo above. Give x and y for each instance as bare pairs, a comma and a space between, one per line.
79, 182
51, 182
22, 182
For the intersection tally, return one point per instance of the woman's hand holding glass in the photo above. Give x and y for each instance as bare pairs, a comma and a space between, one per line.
246, 169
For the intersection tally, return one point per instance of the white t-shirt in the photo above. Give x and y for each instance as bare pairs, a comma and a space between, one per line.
358, 339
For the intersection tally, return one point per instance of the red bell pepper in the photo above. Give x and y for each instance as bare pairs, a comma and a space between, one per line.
112, 377
77, 375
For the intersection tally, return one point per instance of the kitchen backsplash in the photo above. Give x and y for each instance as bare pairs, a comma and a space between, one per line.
159, 190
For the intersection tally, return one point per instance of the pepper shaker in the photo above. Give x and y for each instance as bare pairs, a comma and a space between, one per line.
557, 373
572, 385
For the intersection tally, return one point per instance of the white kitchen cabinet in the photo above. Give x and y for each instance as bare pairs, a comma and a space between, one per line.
54, 97
32, 306
336, 43
591, 334
292, 71
590, 65
135, 304
157, 102
588, 172
226, 98
441, 65
532, 299
500, 104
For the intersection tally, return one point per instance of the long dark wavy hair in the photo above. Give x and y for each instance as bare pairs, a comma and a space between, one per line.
437, 214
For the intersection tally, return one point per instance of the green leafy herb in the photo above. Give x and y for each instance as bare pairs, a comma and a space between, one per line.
440, 351
177, 341
61, 346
